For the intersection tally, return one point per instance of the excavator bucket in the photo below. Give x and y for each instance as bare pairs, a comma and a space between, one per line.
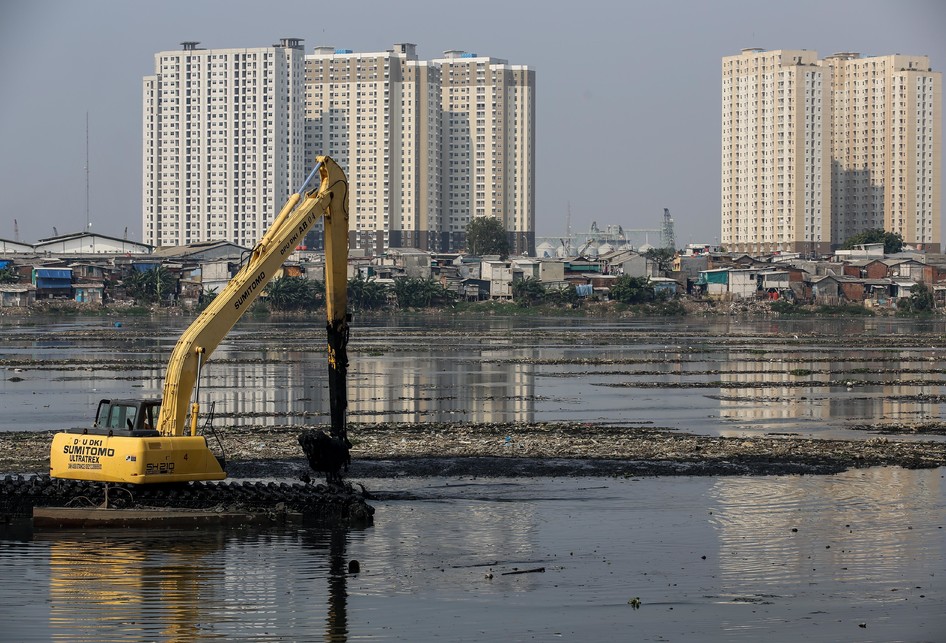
329, 454
326, 454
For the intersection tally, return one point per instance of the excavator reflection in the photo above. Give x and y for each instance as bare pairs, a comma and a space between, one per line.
193, 586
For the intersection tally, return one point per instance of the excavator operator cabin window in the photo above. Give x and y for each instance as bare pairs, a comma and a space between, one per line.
121, 417
151, 413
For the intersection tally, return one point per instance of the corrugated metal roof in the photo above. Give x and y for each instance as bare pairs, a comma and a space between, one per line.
53, 273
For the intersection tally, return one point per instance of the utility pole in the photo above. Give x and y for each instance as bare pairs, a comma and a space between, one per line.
568, 228
88, 221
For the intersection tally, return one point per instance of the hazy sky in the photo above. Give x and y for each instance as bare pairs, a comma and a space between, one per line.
628, 93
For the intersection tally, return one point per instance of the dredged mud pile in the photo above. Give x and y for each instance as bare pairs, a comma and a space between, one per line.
540, 449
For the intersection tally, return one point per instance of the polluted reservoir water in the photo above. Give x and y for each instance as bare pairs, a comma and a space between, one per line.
855, 556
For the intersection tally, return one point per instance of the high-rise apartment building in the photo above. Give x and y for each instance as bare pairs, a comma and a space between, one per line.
223, 142
816, 151
488, 145
776, 183
885, 146
377, 114
427, 145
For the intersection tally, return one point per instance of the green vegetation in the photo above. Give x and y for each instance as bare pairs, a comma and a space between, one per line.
920, 302
151, 286
487, 236
416, 292
632, 290
8, 276
800, 372
667, 308
787, 309
293, 293
366, 293
844, 310
893, 242
528, 292
662, 257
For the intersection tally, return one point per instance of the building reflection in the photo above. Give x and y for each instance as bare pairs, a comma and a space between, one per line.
292, 387
759, 391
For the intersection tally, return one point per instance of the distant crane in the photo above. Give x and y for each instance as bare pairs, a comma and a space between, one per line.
667, 233
588, 244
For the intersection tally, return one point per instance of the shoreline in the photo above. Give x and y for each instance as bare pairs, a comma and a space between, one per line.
689, 307
537, 450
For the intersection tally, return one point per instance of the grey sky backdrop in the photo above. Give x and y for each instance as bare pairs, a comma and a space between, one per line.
628, 93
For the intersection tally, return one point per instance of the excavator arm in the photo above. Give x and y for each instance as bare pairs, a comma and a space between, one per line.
294, 221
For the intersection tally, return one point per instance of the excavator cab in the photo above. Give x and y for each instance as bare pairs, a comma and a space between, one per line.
137, 416
123, 446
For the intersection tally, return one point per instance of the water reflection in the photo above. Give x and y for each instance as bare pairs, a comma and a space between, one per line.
767, 392
717, 556
706, 376
197, 585
777, 532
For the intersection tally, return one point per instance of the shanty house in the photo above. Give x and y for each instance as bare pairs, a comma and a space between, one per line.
714, 282
17, 295
835, 289
52, 282
743, 284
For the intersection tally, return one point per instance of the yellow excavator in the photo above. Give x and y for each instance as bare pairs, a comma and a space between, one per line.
156, 440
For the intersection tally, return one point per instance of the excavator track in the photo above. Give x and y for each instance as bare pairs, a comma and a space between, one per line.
337, 505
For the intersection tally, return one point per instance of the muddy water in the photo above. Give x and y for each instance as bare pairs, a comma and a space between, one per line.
711, 376
857, 556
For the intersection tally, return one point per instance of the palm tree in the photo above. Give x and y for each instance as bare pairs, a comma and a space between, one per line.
151, 286
290, 293
366, 293
417, 292
528, 291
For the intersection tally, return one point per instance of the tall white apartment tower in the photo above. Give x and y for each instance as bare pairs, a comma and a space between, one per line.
488, 144
223, 142
817, 151
776, 180
886, 147
377, 114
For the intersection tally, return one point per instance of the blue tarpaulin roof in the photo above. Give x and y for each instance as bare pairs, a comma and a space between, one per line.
54, 273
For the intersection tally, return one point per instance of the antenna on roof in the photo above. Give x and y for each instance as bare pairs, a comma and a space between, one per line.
16, 231
55, 232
